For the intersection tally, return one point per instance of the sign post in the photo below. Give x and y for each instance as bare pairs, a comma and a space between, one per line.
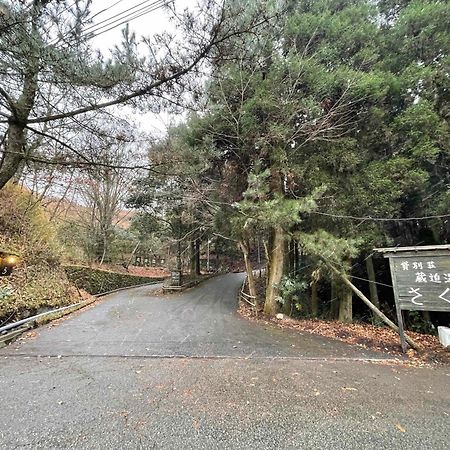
175, 277
420, 278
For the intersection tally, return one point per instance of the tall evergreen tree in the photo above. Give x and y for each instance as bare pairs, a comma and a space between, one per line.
316, 120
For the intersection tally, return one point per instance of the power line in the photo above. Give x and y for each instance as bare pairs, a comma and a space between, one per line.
126, 16
381, 219
132, 18
124, 13
371, 281
92, 31
106, 9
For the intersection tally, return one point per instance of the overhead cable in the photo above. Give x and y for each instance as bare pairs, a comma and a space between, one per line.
382, 219
94, 30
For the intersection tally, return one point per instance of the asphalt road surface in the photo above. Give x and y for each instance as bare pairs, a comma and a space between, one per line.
184, 371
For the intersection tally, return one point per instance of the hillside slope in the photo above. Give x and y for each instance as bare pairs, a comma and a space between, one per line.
39, 282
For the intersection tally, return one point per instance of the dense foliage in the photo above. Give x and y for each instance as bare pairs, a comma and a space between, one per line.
326, 137
317, 137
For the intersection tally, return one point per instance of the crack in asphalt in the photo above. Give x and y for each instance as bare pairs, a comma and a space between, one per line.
211, 357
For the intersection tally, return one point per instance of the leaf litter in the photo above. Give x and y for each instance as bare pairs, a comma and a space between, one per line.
377, 338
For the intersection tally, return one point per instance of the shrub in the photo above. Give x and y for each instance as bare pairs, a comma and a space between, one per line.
39, 282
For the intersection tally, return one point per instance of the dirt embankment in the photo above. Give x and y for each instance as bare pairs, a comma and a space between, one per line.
39, 282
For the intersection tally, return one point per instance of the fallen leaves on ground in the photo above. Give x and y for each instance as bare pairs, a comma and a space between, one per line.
368, 336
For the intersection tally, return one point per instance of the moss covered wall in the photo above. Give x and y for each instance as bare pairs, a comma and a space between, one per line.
96, 281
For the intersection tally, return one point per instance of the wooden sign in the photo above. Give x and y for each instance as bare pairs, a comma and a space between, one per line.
422, 282
420, 278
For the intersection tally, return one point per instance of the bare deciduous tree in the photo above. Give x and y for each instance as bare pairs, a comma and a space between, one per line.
51, 77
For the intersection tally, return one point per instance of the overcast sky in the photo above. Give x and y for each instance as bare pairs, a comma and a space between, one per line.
148, 24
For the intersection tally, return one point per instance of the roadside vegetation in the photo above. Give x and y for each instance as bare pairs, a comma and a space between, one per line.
45, 277
39, 281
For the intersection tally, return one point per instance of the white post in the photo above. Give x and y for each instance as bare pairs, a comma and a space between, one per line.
207, 256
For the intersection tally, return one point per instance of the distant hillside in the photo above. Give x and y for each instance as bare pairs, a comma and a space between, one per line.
70, 210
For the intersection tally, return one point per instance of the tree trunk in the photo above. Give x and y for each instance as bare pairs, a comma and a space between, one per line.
16, 145
345, 304
259, 253
426, 316
243, 245
266, 253
130, 259
102, 259
373, 287
287, 258
192, 261
287, 305
296, 258
15, 152
314, 298
334, 300
372, 307
179, 263
276, 264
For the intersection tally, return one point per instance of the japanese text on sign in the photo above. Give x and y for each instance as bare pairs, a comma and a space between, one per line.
423, 283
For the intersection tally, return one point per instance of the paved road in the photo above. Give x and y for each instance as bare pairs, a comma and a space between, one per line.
199, 322
185, 371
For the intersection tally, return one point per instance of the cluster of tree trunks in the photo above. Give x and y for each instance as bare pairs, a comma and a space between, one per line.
284, 257
194, 267
342, 289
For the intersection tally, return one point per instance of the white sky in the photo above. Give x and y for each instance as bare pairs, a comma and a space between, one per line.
146, 25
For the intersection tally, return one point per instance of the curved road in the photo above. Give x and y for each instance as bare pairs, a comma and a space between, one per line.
200, 322
141, 370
